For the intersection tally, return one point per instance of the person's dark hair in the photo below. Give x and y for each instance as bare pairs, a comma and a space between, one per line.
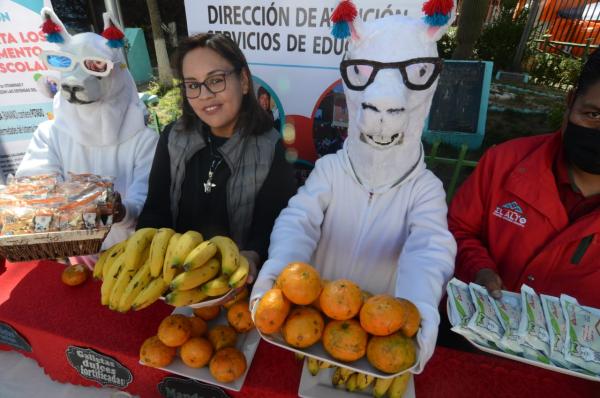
253, 119
590, 74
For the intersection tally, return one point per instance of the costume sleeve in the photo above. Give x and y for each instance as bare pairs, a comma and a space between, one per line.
426, 262
41, 157
278, 188
157, 208
297, 230
138, 189
465, 220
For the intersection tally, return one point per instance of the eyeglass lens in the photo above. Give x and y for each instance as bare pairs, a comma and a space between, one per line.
214, 84
95, 65
59, 61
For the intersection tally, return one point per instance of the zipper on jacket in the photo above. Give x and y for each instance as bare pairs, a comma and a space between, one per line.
581, 249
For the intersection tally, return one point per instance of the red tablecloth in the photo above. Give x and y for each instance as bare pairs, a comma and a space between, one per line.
52, 316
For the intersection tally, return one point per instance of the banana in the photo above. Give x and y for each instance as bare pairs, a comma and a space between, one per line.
180, 298
185, 245
363, 381
200, 255
191, 279
230, 254
158, 248
325, 364
116, 251
313, 365
336, 378
239, 296
345, 374
169, 272
150, 294
240, 275
216, 287
137, 245
299, 357
99, 267
381, 387
110, 278
351, 382
140, 280
125, 276
399, 385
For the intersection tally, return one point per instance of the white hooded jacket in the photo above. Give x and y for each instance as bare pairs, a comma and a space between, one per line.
394, 240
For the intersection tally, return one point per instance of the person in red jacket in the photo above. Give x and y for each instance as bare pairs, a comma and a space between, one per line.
530, 212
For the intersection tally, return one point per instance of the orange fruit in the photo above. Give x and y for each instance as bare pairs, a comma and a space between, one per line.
341, 299
345, 340
199, 326
208, 313
271, 311
75, 274
391, 354
222, 336
239, 317
382, 315
413, 318
174, 330
303, 327
227, 365
196, 352
300, 282
154, 353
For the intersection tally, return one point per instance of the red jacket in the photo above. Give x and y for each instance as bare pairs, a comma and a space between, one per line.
508, 217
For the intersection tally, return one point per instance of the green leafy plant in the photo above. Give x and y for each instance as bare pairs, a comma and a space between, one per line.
447, 44
498, 42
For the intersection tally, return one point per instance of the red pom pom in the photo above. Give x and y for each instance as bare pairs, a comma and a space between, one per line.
438, 7
345, 11
49, 27
112, 33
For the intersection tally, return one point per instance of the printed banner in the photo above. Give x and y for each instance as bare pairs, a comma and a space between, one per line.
22, 108
295, 59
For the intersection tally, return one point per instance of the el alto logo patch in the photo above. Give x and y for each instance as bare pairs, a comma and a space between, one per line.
511, 212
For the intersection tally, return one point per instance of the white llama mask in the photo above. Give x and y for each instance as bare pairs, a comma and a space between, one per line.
97, 103
390, 75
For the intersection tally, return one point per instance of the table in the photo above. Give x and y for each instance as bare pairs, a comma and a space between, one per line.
52, 316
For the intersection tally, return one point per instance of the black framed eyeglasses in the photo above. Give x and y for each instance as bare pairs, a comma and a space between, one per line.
417, 73
214, 84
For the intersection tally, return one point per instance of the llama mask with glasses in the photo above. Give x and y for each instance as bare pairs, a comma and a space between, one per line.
390, 73
96, 91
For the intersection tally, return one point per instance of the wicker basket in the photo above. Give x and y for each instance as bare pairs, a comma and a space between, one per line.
52, 244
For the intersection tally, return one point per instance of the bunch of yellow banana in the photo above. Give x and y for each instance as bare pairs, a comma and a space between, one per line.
355, 381
138, 271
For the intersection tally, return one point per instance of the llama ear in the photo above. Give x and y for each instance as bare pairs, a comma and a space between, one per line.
439, 16
53, 27
112, 31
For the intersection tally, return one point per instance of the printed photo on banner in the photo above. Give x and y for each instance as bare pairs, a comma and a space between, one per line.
330, 120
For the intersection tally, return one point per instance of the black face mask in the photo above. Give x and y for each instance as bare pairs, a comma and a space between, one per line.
582, 147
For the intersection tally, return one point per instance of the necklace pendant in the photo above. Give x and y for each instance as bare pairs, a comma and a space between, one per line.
208, 186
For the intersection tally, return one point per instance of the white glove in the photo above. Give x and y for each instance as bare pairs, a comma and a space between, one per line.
427, 335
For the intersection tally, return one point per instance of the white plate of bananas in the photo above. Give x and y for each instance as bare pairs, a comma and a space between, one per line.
182, 269
321, 379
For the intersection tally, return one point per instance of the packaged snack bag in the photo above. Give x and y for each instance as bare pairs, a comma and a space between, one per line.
582, 342
532, 327
484, 321
461, 310
17, 221
508, 310
557, 329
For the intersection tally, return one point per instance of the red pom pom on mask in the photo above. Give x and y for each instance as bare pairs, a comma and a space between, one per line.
344, 12
443, 7
49, 27
112, 33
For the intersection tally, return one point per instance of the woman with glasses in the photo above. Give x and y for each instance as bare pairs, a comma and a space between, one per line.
220, 169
